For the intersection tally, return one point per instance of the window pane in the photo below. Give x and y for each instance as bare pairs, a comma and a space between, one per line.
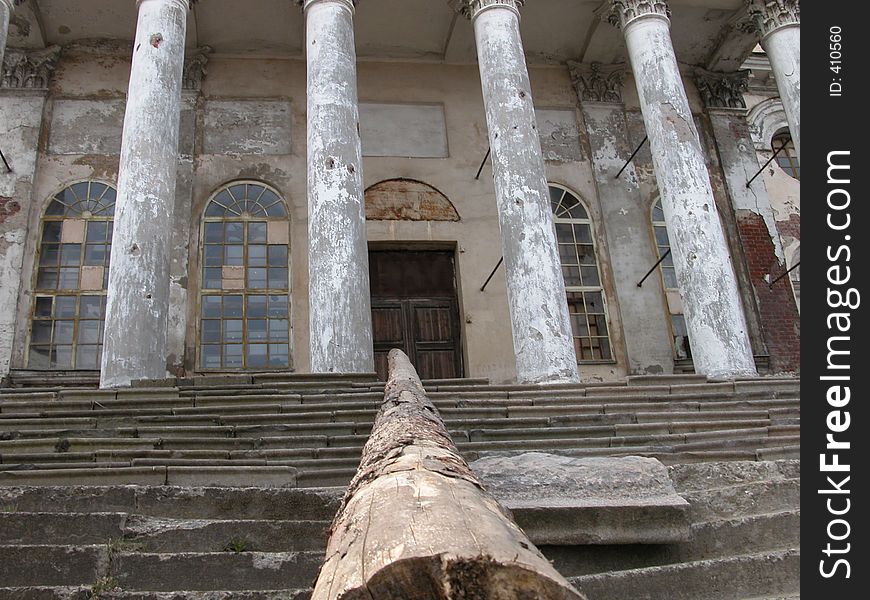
210, 357
670, 277
233, 356
662, 236
568, 254
43, 307
234, 255
41, 333
38, 358
91, 307
256, 330
211, 331
212, 278
257, 356
65, 306
235, 232
232, 306
70, 255
583, 233
257, 256
55, 209
278, 306
256, 306
564, 233
586, 254
63, 332
97, 231
46, 279
61, 357
233, 330
277, 256
51, 231
278, 278
256, 233
279, 355
211, 306
257, 278
69, 279
49, 255
89, 332
213, 255
95, 255
572, 276
589, 275
279, 330
87, 357
213, 233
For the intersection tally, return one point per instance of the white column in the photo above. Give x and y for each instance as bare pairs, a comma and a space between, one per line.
138, 294
708, 286
543, 341
779, 24
340, 315
6, 8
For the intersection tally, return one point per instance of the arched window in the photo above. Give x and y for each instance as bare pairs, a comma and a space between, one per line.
582, 276
245, 302
787, 157
669, 281
72, 274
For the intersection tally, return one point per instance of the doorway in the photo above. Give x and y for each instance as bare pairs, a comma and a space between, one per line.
415, 309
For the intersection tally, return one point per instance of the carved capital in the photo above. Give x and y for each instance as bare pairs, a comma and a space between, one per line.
622, 12
194, 69
29, 69
471, 8
722, 90
766, 16
595, 82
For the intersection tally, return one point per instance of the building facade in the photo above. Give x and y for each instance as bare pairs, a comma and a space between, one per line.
538, 190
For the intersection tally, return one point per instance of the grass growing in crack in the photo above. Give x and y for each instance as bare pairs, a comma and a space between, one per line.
237, 545
124, 545
103, 585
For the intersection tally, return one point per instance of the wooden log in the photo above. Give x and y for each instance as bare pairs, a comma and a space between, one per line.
416, 524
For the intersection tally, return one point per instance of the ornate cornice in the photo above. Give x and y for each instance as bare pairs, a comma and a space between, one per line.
29, 69
194, 68
722, 90
595, 82
766, 16
622, 12
471, 8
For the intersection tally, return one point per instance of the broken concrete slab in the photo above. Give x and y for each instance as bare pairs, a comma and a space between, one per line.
564, 500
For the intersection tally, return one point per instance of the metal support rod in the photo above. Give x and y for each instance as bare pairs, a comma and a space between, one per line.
483, 287
794, 266
485, 158
631, 158
658, 262
5, 162
769, 160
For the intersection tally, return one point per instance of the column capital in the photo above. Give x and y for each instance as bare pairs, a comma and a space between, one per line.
766, 16
471, 8
304, 4
187, 4
32, 70
595, 82
194, 69
722, 90
622, 12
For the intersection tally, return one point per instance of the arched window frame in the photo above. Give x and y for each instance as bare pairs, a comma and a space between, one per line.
70, 277
786, 156
257, 284
587, 304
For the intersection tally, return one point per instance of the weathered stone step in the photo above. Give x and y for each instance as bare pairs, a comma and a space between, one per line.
718, 475
746, 576
87, 593
280, 476
721, 539
45, 565
214, 571
743, 500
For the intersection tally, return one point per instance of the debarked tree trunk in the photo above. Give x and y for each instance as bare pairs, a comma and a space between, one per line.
416, 524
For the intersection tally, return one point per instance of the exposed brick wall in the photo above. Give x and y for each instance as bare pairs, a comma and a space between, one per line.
790, 228
780, 321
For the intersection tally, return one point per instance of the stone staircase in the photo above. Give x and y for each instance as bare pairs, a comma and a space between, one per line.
223, 487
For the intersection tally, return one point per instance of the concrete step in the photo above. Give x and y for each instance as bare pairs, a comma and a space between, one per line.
770, 574
172, 502
214, 570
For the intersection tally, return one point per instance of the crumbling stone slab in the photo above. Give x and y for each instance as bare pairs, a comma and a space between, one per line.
560, 500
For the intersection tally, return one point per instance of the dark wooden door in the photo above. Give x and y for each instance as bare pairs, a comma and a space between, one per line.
415, 309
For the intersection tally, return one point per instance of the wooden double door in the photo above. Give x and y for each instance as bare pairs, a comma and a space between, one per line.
415, 309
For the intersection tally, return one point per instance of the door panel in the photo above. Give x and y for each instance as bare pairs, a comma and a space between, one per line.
414, 308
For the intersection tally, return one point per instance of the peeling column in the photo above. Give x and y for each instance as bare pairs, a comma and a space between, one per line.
543, 341
779, 324
137, 306
6, 8
705, 274
778, 24
648, 341
340, 315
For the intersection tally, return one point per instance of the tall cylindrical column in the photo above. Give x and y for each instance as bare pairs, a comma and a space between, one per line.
338, 291
778, 23
705, 275
543, 341
134, 345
